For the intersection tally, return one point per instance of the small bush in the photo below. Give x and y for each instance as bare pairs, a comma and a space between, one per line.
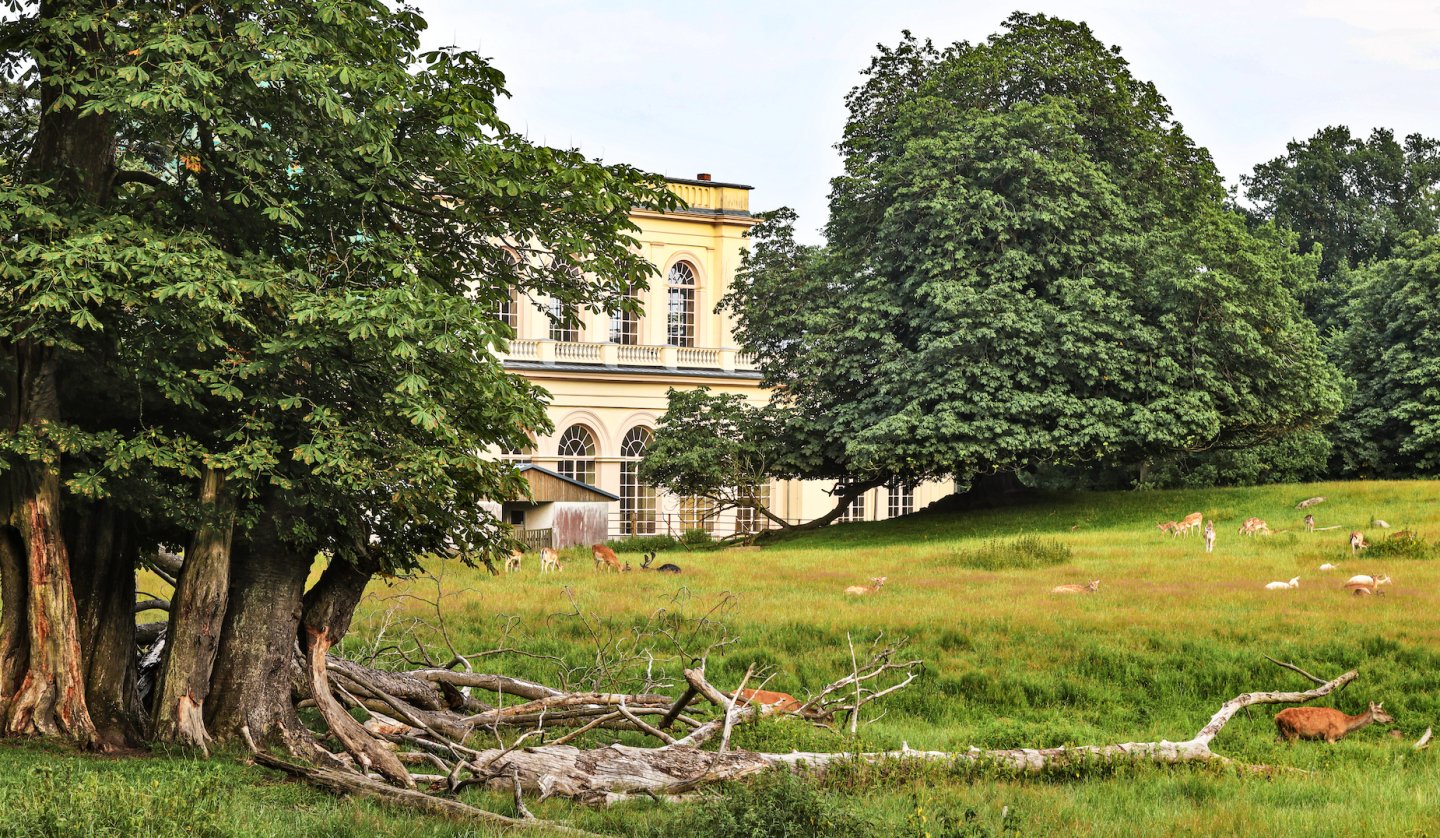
694, 537
775, 804
1027, 551
644, 544
1413, 547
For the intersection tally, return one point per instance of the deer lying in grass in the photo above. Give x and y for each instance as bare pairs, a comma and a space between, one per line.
1324, 722
664, 568
1357, 543
1209, 536
512, 562
1328, 566
1092, 588
1283, 586
1188, 523
861, 590
605, 558
788, 703
550, 561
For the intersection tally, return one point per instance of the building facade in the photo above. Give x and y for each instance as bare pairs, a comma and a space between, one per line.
608, 375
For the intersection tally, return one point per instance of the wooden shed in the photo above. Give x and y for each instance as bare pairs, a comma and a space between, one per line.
561, 512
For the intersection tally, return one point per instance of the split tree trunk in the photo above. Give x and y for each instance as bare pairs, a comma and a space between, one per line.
250, 684
51, 699
102, 561
197, 613
14, 634
329, 607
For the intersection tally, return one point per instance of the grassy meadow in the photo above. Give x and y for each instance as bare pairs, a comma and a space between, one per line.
1172, 634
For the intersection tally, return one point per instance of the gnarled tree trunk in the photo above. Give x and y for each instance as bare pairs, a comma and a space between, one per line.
14, 633
250, 683
102, 560
197, 613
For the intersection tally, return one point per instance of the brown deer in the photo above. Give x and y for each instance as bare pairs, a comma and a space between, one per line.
787, 703
1188, 523
1310, 523
550, 561
1092, 588
1324, 722
1357, 543
605, 558
512, 562
861, 590
1168, 526
1253, 526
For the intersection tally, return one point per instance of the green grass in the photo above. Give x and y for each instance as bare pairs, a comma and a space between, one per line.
1173, 633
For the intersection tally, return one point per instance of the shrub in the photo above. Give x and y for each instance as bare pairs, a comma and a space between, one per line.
774, 804
1413, 547
644, 544
694, 537
1027, 551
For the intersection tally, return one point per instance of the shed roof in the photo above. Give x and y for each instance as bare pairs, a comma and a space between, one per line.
546, 486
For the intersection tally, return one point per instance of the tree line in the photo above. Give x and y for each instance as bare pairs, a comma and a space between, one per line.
1031, 274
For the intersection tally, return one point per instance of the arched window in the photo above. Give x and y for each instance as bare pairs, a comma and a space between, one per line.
625, 325
577, 454
508, 309
637, 500
565, 322
680, 325
522, 454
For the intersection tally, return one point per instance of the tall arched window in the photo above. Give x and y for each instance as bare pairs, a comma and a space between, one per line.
577, 454
680, 325
637, 500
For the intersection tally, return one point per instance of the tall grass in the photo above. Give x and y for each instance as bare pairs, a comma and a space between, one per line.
1024, 553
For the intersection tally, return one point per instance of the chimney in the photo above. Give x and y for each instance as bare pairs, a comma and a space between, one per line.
702, 176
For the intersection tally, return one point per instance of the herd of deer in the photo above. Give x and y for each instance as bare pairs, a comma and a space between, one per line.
605, 559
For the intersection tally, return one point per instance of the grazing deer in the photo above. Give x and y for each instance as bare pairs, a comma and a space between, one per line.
861, 590
1324, 722
550, 561
1209, 536
1283, 586
1310, 523
1168, 526
1357, 543
605, 558
1092, 588
1190, 522
664, 568
1253, 526
512, 562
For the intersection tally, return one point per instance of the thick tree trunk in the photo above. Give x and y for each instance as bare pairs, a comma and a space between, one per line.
14, 633
250, 684
51, 699
197, 613
103, 566
842, 502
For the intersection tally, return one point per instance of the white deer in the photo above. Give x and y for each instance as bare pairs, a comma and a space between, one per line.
1283, 586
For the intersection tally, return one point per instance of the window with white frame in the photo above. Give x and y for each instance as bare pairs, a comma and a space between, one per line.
564, 325
625, 325
577, 455
902, 500
854, 512
697, 513
752, 520
680, 309
637, 500
508, 310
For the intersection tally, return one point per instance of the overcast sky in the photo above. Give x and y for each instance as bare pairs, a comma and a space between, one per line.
752, 92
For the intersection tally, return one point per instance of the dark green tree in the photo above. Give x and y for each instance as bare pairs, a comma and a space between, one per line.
1027, 262
251, 256
1390, 348
1355, 198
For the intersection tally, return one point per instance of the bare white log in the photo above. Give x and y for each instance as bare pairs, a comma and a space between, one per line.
1424, 741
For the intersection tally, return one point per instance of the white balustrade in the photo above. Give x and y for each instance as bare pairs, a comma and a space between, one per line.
581, 353
645, 356
523, 350
691, 357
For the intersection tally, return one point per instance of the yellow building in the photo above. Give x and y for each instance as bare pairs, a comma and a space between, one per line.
608, 377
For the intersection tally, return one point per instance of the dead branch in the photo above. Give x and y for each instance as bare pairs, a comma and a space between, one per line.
1424, 741
730, 709
1292, 667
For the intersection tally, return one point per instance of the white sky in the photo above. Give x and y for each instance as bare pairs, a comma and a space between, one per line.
752, 92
